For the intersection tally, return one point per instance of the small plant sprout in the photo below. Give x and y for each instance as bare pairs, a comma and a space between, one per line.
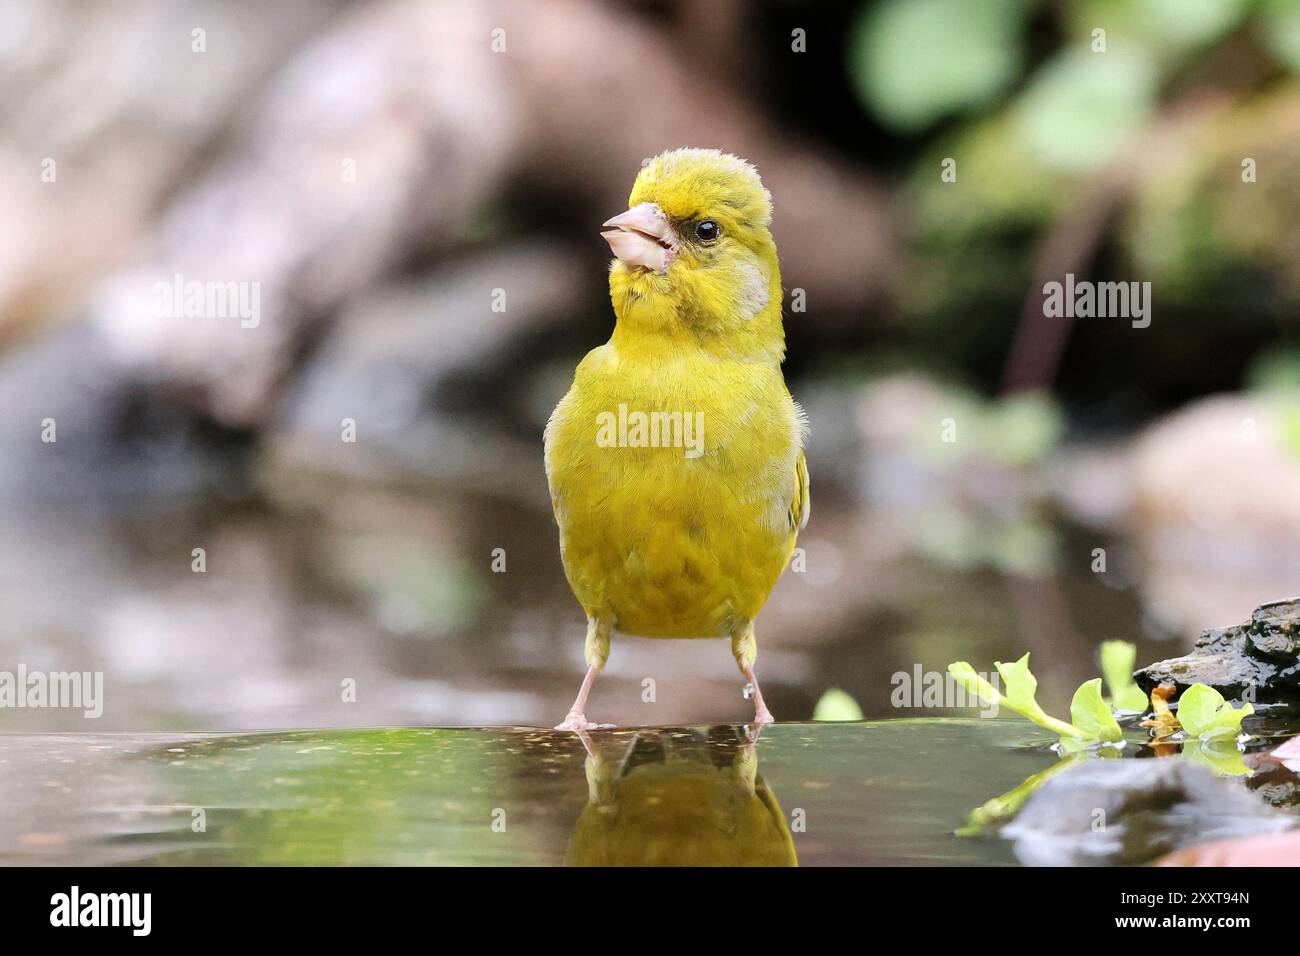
1117, 662
1092, 721
1206, 728
1091, 714
1205, 715
837, 705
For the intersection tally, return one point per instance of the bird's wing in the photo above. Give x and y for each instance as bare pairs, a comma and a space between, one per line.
801, 506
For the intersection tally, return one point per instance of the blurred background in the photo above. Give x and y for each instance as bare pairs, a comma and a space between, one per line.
414, 190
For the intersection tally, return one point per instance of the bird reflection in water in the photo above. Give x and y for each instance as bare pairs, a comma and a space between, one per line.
679, 797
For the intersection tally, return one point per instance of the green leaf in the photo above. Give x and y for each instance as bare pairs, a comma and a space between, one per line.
915, 61
1020, 546
1021, 688
1219, 754
1000, 809
1082, 108
1022, 685
1289, 426
1190, 23
1117, 661
1091, 715
1023, 428
974, 685
1170, 29
1204, 713
1279, 28
837, 705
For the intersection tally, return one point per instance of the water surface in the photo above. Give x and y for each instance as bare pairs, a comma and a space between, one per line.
887, 792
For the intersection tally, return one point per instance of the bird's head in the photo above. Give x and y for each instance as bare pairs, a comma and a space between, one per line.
694, 254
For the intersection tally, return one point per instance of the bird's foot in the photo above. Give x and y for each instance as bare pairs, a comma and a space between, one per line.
577, 721
763, 717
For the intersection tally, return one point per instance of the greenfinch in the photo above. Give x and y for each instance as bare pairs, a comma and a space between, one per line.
675, 461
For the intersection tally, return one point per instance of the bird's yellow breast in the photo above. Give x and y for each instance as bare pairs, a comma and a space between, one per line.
685, 540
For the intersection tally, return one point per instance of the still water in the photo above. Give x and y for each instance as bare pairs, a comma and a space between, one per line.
887, 792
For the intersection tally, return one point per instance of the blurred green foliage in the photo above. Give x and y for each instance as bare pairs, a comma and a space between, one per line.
1197, 227
1013, 432
1164, 28
916, 61
837, 705
1276, 377
1083, 108
1029, 115
1279, 25
415, 586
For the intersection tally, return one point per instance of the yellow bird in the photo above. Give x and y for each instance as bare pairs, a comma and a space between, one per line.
676, 461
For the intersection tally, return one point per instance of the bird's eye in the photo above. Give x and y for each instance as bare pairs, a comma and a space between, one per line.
706, 230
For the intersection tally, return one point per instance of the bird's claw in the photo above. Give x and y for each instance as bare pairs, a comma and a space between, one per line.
577, 722
764, 717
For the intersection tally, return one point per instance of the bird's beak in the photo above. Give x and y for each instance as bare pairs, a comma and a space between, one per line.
643, 237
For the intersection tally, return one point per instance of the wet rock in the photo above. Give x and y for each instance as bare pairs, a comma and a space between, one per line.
1276, 786
1257, 661
1129, 812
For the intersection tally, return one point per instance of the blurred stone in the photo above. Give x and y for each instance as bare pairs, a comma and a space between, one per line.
393, 134
357, 156
111, 437
419, 366
114, 95
1208, 497
1128, 812
1221, 466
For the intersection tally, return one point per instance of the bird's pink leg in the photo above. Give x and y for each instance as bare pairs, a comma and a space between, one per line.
745, 648
761, 714
577, 719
